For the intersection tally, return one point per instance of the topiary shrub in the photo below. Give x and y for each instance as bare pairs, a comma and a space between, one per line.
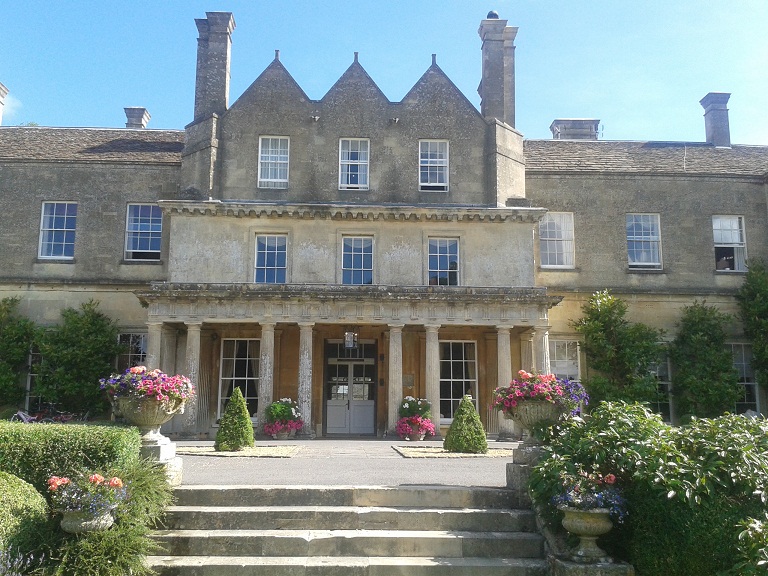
236, 430
466, 433
35, 452
23, 514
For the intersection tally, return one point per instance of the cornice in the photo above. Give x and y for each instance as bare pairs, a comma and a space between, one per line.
239, 209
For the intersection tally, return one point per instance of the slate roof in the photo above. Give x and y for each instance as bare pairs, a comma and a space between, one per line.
624, 157
91, 145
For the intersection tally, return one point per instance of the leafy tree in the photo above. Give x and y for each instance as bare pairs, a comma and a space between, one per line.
704, 381
75, 354
753, 310
236, 429
16, 337
620, 351
466, 433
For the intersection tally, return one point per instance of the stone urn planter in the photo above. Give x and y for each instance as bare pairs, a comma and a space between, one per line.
416, 437
588, 525
149, 414
533, 413
77, 522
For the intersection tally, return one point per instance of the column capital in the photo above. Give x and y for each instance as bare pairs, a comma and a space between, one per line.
395, 326
268, 325
432, 327
502, 329
193, 325
306, 324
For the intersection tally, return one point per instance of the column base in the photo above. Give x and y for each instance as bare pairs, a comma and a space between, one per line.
566, 568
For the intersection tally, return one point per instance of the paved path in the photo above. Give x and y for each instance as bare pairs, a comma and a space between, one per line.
341, 462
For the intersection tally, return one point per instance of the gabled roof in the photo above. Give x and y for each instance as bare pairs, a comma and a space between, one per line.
433, 81
24, 143
605, 156
355, 75
274, 73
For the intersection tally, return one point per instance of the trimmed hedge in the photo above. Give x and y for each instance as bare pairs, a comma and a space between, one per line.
236, 429
35, 452
23, 514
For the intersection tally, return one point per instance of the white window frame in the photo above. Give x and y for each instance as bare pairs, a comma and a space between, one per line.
447, 366
433, 165
644, 248
143, 229
34, 359
272, 249
274, 161
228, 376
564, 358
662, 371
556, 240
730, 243
57, 231
443, 257
354, 168
742, 356
136, 353
354, 262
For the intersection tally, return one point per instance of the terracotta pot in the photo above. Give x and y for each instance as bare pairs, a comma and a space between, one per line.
79, 522
588, 525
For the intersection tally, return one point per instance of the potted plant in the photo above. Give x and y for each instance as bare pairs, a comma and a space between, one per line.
86, 502
283, 419
415, 419
148, 398
589, 501
537, 400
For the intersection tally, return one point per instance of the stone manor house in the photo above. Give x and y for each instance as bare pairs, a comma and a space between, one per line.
351, 250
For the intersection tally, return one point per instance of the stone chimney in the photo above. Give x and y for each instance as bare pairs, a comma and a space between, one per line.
3, 94
497, 86
213, 53
716, 118
137, 117
575, 128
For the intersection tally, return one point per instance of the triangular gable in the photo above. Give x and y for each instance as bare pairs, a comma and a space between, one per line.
355, 79
274, 82
431, 87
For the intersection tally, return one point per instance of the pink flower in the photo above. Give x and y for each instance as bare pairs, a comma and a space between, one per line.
609, 479
95, 478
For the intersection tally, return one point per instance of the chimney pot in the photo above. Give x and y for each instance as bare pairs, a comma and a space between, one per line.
137, 117
575, 128
716, 124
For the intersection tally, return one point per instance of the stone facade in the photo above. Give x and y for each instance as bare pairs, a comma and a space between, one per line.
350, 251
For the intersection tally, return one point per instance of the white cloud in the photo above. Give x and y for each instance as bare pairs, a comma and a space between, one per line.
11, 109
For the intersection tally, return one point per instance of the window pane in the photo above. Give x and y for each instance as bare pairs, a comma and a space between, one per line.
271, 258
143, 232
643, 241
433, 165
357, 260
57, 230
353, 164
458, 375
556, 240
730, 245
273, 162
443, 261
239, 368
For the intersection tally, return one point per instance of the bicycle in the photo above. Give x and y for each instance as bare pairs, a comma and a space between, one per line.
27, 418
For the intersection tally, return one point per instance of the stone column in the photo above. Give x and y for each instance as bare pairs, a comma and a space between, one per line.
526, 351
154, 344
305, 377
541, 350
192, 371
507, 429
432, 375
266, 372
395, 390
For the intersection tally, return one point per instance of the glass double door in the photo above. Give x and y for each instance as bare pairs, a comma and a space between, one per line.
350, 397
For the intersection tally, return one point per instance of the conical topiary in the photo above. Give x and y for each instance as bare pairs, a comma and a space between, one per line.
235, 430
466, 433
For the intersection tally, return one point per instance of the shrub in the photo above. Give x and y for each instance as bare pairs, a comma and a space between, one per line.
466, 433
687, 488
753, 311
35, 452
622, 352
23, 513
16, 336
752, 547
75, 355
149, 492
236, 430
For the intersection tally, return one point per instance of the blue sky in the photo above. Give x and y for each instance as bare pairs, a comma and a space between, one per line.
639, 66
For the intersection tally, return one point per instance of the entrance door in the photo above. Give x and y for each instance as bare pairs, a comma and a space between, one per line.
350, 404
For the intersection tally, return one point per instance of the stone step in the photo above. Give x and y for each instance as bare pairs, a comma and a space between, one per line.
390, 543
344, 566
399, 496
347, 517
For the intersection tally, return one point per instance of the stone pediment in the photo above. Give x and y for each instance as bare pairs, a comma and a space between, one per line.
435, 91
274, 85
352, 212
355, 85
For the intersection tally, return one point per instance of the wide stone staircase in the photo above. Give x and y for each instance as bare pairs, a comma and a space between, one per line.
348, 531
